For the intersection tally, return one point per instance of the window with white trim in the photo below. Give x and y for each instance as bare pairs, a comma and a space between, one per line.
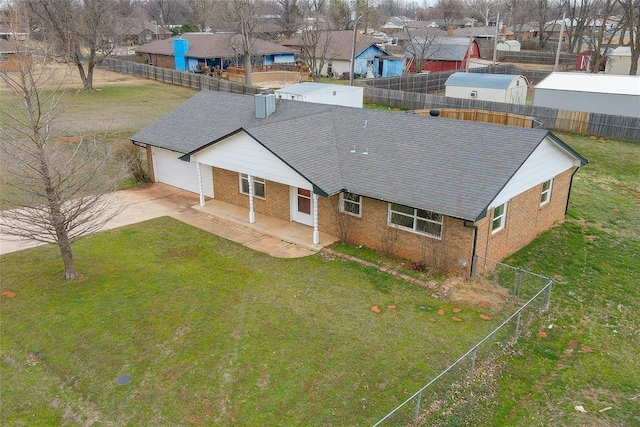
545, 195
351, 204
416, 220
258, 186
499, 217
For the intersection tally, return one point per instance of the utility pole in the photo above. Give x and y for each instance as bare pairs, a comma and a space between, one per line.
564, 15
495, 41
353, 48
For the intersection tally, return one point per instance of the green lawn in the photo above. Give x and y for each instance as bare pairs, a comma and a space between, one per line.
213, 332
590, 356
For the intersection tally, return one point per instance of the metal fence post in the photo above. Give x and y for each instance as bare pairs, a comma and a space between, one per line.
517, 326
547, 297
516, 282
473, 362
417, 416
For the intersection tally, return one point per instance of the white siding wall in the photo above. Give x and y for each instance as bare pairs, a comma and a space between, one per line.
547, 161
169, 169
241, 153
349, 96
603, 103
339, 67
515, 94
484, 94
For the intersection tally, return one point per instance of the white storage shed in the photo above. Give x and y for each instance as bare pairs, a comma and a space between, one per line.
619, 62
592, 93
508, 46
509, 88
323, 93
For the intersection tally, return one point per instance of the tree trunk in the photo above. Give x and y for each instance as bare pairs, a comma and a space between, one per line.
248, 74
70, 272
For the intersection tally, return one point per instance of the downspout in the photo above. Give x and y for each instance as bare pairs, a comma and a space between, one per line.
472, 270
566, 208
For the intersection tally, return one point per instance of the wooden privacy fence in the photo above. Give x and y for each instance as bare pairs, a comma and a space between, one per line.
495, 117
548, 118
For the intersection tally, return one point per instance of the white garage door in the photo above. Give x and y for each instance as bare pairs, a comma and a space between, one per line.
169, 169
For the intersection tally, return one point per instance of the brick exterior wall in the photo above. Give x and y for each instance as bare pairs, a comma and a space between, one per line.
525, 219
162, 61
452, 253
276, 203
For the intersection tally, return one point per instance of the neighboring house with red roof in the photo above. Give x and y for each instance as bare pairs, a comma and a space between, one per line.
442, 53
438, 190
213, 50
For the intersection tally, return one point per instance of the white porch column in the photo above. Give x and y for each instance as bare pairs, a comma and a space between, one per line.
316, 232
200, 188
252, 214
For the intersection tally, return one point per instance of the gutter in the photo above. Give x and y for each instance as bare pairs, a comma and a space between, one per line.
472, 270
566, 208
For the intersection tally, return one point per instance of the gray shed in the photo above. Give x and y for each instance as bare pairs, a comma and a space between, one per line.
510, 88
592, 93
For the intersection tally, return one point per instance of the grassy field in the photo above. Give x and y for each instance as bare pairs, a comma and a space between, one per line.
212, 332
589, 357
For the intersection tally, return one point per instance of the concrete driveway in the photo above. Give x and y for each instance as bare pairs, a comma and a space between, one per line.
291, 241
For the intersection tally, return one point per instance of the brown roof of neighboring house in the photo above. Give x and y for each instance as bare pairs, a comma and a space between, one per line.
341, 43
209, 45
7, 46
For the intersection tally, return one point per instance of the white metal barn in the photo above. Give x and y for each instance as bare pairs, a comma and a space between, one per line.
592, 93
323, 93
619, 62
509, 88
508, 46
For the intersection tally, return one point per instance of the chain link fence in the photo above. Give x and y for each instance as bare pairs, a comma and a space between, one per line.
530, 292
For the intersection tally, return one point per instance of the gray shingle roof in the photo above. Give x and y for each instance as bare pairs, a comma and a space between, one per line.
442, 48
340, 43
481, 80
209, 45
447, 166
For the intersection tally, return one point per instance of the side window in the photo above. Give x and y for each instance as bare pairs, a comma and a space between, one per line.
499, 216
258, 186
351, 204
545, 195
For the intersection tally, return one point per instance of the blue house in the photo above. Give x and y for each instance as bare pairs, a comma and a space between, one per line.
370, 59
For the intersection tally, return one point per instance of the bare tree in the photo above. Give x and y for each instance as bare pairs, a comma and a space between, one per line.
317, 48
423, 44
339, 15
53, 192
547, 14
450, 10
631, 23
82, 32
482, 9
169, 12
243, 14
289, 15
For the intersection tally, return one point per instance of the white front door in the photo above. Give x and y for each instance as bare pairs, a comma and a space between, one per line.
302, 206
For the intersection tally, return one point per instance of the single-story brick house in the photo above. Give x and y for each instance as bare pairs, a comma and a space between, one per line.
438, 190
212, 50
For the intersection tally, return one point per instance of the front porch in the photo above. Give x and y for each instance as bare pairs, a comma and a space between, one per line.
281, 230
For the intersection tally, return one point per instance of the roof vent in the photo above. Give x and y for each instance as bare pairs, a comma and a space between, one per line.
265, 105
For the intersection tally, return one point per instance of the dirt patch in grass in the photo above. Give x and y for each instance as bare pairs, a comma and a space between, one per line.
482, 294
